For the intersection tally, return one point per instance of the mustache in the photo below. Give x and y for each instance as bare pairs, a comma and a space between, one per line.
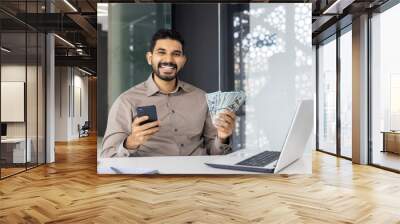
169, 64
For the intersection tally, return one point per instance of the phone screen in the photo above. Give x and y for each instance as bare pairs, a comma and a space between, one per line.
149, 111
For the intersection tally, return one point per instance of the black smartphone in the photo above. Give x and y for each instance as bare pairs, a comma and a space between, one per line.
149, 111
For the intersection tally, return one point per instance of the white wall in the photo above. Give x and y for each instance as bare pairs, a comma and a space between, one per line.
13, 73
12, 100
79, 117
70, 83
61, 103
33, 126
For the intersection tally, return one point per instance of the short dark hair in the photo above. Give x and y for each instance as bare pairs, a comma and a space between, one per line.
166, 34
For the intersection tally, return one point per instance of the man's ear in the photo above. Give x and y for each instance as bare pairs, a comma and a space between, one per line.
149, 55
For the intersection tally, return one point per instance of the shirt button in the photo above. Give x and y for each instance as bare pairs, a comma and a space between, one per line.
182, 145
173, 111
175, 130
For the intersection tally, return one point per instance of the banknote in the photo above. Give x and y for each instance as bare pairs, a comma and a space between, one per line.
219, 101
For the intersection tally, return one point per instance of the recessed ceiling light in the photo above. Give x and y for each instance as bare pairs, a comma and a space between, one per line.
64, 40
70, 5
84, 71
338, 6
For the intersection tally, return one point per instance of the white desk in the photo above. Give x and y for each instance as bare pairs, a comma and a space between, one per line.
184, 165
18, 150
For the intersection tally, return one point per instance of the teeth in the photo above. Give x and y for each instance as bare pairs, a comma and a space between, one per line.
167, 67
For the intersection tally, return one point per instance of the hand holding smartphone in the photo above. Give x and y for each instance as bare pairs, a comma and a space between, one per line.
149, 111
143, 127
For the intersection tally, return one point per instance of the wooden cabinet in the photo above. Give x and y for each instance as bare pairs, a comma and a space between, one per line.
391, 142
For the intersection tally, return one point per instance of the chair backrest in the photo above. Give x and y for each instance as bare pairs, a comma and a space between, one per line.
86, 125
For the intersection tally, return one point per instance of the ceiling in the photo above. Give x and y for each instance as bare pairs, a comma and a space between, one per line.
76, 22
76, 25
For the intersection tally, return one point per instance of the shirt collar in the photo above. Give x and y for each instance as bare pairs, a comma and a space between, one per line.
152, 88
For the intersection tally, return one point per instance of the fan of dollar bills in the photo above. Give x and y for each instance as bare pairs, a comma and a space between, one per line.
219, 101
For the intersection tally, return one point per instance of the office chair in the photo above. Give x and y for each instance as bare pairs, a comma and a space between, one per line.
84, 130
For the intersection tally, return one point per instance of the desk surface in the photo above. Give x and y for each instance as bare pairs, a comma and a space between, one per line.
184, 165
390, 132
13, 140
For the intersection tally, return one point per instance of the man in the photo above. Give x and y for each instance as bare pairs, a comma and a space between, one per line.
184, 126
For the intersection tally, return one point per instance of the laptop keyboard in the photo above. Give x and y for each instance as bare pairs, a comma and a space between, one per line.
261, 159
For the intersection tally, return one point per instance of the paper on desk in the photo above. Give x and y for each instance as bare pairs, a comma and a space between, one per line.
123, 170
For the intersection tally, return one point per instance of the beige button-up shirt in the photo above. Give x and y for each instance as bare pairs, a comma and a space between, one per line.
185, 123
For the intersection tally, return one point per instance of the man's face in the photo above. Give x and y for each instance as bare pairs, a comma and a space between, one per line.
167, 59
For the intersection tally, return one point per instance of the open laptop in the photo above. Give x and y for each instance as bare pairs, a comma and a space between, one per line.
274, 161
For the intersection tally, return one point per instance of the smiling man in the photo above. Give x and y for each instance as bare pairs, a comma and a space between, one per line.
184, 125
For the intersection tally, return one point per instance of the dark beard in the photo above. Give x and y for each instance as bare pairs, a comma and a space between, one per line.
162, 77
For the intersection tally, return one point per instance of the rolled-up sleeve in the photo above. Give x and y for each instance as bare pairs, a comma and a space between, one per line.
212, 143
118, 129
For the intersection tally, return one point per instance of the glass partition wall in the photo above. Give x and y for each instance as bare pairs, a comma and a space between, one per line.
327, 95
22, 87
346, 92
262, 43
385, 90
123, 33
334, 135
335, 91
